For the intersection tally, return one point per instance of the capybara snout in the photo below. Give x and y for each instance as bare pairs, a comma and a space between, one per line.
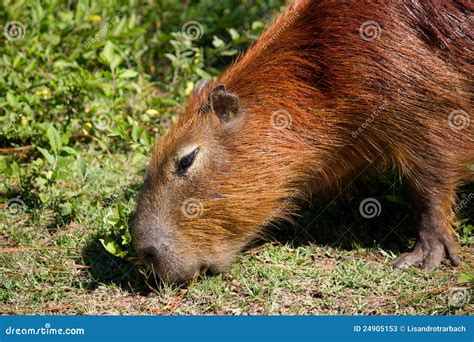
294, 116
182, 223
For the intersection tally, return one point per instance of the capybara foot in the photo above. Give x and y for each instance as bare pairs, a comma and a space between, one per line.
428, 254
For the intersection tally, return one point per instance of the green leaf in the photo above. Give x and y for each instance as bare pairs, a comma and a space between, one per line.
115, 62
168, 101
126, 238
230, 52
173, 59
81, 166
468, 275
3, 165
17, 61
234, 34
465, 278
69, 150
137, 158
120, 27
63, 162
152, 112
66, 209
112, 247
6, 60
204, 75
128, 73
108, 52
145, 139
50, 158
12, 101
217, 42
54, 139
257, 26
122, 215
135, 132
16, 171
44, 198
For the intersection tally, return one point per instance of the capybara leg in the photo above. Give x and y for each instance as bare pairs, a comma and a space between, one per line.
436, 239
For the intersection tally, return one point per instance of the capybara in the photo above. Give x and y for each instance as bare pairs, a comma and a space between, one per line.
329, 89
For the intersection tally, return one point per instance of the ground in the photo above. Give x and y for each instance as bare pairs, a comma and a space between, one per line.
85, 90
46, 268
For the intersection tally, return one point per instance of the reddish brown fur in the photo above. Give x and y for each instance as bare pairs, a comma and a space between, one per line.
313, 67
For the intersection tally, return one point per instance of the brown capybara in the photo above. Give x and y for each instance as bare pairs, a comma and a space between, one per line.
294, 116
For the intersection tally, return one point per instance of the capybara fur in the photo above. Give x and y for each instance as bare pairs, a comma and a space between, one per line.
293, 117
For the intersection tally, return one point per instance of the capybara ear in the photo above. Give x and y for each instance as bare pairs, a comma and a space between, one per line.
224, 103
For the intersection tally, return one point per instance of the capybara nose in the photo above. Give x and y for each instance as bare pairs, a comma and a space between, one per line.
150, 255
164, 266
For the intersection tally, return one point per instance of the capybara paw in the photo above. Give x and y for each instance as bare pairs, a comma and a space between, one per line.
428, 255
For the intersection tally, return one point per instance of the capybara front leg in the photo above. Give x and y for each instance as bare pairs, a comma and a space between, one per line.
436, 238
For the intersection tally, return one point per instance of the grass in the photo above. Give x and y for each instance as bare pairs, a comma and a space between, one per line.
71, 273
85, 91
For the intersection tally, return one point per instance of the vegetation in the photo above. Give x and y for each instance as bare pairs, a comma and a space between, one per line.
86, 88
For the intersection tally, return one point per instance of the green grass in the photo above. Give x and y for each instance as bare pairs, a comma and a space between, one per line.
84, 93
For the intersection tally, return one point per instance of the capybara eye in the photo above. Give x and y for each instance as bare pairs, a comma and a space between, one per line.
186, 162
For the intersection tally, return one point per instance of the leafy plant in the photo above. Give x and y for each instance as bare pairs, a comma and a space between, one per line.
120, 243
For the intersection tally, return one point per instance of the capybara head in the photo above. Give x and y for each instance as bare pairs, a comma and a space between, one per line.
244, 152
209, 188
